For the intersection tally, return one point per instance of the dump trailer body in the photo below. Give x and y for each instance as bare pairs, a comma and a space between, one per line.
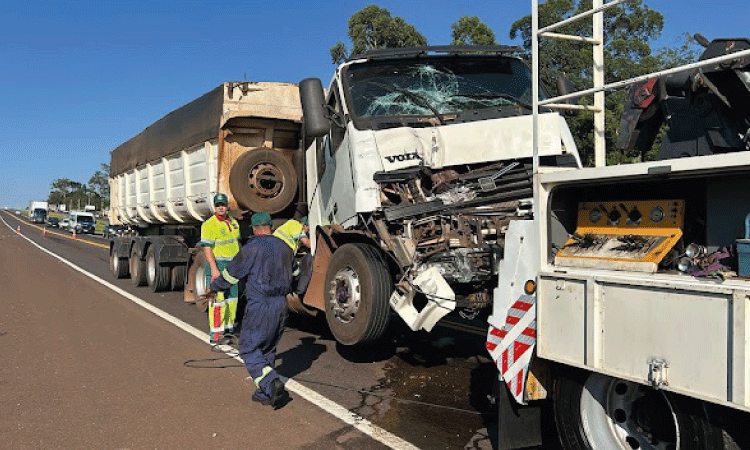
169, 173
240, 139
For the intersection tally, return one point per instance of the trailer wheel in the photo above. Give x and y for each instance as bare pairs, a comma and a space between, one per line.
178, 277
358, 285
137, 269
196, 282
119, 266
157, 275
596, 412
263, 180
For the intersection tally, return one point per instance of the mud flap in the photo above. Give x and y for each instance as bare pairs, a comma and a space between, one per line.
518, 426
440, 300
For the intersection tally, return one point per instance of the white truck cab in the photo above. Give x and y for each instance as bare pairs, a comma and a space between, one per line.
419, 158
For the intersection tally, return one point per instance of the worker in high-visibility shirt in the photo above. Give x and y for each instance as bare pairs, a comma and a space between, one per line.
220, 238
295, 234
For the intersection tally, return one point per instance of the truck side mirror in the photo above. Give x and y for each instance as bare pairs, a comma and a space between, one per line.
313, 108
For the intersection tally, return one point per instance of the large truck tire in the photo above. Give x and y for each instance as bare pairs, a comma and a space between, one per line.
358, 286
178, 277
263, 180
118, 266
596, 412
157, 275
137, 269
196, 282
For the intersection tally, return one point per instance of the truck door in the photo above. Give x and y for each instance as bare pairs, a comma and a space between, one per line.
333, 199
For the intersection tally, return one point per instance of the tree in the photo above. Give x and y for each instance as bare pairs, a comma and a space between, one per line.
687, 52
629, 28
62, 190
373, 28
99, 184
469, 30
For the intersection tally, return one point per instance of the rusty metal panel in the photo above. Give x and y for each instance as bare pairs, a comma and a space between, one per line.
315, 294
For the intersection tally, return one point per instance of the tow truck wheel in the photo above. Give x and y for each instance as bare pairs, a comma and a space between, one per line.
157, 275
358, 285
596, 412
137, 269
263, 180
196, 282
119, 266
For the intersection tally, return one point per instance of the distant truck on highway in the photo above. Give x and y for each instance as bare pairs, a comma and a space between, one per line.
38, 212
241, 139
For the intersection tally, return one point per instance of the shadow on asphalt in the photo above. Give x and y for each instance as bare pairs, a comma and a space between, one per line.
299, 358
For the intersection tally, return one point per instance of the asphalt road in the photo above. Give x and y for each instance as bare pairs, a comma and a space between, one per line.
85, 364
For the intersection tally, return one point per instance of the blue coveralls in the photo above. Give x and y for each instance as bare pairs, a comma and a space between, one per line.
266, 261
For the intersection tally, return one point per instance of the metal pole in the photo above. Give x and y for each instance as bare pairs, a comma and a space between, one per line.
540, 228
600, 158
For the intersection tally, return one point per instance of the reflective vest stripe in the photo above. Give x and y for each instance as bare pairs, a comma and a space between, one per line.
228, 277
291, 242
266, 371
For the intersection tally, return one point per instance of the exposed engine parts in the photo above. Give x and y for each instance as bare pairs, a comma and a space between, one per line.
453, 222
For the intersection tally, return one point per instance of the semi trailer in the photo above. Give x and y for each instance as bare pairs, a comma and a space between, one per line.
240, 139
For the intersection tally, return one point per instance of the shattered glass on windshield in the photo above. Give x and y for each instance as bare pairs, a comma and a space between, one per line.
438, 87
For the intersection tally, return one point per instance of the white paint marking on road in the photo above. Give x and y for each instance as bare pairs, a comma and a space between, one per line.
327, 405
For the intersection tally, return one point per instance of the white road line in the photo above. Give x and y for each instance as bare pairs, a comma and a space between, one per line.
327, 405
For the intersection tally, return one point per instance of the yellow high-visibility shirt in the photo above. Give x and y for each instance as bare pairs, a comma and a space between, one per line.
223, 236
292, 232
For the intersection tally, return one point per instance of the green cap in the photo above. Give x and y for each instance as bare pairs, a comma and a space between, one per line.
220, 199
303, 220
260, 219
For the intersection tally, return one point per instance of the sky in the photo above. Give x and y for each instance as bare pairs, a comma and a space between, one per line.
78, 78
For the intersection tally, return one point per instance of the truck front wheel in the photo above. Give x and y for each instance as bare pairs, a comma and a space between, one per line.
358, 285
596, 412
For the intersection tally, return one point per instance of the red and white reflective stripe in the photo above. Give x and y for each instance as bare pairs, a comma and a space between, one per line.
512, 345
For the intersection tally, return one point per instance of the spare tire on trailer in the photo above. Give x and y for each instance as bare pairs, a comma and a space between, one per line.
263, 180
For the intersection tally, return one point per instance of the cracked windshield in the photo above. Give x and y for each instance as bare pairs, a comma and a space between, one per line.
438, 86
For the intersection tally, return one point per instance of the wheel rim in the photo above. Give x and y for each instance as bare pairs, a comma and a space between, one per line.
345, 295
265, 180
200, 281
151, 264
114, 262
618, 414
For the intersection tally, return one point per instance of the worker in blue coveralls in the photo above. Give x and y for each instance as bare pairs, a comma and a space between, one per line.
266, 262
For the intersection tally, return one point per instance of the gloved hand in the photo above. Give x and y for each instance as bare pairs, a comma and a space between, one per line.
208, 296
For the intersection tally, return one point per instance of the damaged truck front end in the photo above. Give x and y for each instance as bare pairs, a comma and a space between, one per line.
426, 153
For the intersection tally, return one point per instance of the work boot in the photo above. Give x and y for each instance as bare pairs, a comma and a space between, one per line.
260, 397
278, 393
